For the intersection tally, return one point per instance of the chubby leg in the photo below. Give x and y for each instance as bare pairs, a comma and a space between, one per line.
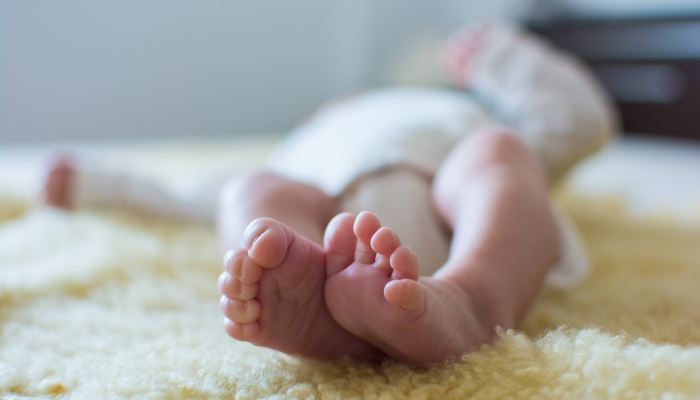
276, 269
492, 192
304, 208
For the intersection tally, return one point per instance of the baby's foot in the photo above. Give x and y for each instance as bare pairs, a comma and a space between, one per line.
58, 188
273, 295
373, 291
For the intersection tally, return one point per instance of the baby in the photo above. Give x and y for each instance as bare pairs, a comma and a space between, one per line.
402, 222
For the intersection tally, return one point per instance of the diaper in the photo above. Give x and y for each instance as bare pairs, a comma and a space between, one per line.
386, 145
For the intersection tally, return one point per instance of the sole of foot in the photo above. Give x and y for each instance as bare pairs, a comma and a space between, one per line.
273, 296
373, 290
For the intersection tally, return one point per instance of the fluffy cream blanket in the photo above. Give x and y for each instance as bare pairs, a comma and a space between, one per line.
97, 304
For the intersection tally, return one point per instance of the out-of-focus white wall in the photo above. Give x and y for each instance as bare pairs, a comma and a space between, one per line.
87, 69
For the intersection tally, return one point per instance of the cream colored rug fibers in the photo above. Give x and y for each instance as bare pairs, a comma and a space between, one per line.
97, 304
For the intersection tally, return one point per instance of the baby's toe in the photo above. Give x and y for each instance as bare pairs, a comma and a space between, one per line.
239, 310
404, 289
267, 241
236, 289
239, 331
406, 293
385, 241
339, 241
241, 267
404, 263
366, 225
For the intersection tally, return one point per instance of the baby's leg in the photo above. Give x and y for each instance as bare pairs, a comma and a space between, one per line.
276, 269
492, 192
304, 208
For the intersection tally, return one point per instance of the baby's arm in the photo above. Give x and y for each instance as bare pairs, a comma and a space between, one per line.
70, 184
551, 99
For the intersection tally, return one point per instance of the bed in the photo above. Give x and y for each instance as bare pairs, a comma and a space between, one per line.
105, 304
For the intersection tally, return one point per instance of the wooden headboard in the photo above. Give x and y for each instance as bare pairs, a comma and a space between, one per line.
651, 67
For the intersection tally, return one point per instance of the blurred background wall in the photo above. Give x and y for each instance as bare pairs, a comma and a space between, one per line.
95, 69
82, 69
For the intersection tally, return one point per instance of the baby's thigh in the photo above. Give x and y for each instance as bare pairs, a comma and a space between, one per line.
403, 201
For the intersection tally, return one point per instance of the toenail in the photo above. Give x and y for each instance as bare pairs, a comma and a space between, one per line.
255, 239
249, 307
239, 268
241, 271
229, 255
256, 233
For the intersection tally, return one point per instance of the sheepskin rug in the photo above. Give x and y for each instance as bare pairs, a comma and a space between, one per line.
103, 304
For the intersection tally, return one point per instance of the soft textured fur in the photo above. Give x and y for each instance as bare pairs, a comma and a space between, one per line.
97, 304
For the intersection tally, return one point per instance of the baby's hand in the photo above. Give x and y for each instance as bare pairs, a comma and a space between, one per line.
59, 182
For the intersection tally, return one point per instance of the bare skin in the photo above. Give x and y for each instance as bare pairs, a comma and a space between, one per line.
492, 192
360, 295
273, 296
274, 278
380, 297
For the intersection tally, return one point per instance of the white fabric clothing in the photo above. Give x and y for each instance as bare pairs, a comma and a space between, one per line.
551, 99
412, 126
98, 186
554, 104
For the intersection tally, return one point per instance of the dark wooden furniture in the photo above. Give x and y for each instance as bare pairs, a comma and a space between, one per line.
651, 67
